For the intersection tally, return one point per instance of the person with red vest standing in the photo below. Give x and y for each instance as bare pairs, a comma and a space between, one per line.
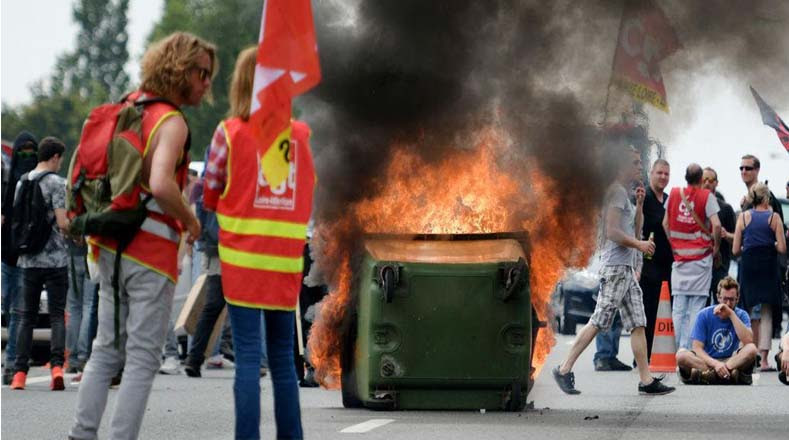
693, 229
262, 233
178, 68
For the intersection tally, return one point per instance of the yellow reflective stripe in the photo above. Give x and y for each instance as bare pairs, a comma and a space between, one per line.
251, 260
269, 228
227, 161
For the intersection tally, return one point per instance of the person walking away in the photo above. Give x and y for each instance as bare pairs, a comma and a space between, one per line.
759, 237
23, 159
262, 232
42, 265
693, 229
619, 289
178, 68
722, 260
657, 267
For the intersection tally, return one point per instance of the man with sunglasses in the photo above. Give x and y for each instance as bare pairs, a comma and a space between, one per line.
716, 356
749, 171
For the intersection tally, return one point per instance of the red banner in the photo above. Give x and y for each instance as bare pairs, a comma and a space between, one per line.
287, 65
645, 38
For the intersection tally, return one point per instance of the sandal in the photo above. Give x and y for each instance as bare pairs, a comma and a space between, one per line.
767, 369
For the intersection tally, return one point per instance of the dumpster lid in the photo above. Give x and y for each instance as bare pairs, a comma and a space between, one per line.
444, 251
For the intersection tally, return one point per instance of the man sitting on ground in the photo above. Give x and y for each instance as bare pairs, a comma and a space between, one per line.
718, 331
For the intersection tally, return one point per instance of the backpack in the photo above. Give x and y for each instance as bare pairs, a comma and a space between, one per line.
31, 225
104, 188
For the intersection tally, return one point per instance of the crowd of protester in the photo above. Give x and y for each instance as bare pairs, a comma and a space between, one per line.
687, 237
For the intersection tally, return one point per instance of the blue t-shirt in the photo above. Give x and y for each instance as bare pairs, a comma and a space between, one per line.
718, 335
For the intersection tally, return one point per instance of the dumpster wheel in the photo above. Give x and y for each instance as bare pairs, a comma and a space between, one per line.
517, 400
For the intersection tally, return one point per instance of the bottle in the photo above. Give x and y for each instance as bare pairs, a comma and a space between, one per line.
652, 239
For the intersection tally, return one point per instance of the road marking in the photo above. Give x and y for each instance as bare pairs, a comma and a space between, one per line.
367, 426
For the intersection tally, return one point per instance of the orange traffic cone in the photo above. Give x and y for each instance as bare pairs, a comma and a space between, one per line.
664, 347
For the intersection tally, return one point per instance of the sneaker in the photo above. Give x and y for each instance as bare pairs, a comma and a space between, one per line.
602, 365
170, 366
8, 374
192, 370
18, 382
656, 388
57, 379
565, 381
218, 362
617, 365
686, 375
76, 379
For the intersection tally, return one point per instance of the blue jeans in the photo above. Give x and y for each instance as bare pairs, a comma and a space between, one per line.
607, 342
246, 387
79, 305
11, 300
683, 312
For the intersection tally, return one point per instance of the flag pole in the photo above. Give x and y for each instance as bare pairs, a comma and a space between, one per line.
613, 62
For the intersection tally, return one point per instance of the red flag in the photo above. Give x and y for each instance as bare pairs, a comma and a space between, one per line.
287, 65
645, 38
771, 118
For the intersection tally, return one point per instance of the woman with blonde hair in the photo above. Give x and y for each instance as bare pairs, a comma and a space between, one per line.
262, 232
759, 237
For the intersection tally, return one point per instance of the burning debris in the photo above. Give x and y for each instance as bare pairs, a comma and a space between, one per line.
468, 117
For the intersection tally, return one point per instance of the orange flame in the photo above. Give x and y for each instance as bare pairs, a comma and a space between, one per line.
466, 192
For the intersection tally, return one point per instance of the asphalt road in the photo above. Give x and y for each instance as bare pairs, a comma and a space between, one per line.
608, 408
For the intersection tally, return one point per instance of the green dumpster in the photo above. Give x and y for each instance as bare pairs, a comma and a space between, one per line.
440, 322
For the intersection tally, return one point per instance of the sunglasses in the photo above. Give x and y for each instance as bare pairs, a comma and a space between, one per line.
744, 168
710, 180
203, 73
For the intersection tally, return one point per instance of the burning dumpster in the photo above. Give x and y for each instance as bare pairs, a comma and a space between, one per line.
440, 322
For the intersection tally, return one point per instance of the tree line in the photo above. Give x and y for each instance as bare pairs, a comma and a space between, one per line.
94, 73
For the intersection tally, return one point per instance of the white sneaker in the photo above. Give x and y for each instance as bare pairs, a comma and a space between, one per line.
170, 366
218, 362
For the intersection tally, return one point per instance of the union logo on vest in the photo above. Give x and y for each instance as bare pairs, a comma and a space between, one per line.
283, 196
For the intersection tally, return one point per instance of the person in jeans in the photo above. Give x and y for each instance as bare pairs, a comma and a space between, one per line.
47, 267
619, 290
179, 68
262, 232
79, 304
23, 159
759, 237
693, 229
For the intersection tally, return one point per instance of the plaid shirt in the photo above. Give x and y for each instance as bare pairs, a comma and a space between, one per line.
215, 169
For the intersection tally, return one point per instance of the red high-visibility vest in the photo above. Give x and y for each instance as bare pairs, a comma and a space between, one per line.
688, 241
262, 230
155, 245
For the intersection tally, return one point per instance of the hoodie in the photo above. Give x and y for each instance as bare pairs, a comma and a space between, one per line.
24, 157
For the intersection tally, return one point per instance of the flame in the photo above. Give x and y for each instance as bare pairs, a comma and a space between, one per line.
469, 191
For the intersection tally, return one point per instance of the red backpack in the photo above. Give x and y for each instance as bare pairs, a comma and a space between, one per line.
104, 189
